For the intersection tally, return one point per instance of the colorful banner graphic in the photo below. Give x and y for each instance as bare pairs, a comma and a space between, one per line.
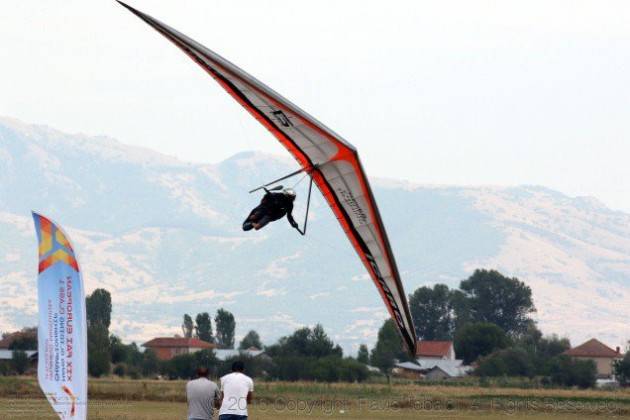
62, 331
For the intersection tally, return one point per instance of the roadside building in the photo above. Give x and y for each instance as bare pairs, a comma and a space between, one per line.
166, 348
603, 356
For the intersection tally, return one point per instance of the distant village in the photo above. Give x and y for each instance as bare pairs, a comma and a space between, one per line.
479, 350
432, 361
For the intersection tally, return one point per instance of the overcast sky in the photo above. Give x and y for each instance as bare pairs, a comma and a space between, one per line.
439, 92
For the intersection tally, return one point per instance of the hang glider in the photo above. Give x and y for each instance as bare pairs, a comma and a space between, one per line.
332, 162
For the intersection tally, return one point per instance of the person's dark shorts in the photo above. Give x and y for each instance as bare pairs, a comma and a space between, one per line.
231, 417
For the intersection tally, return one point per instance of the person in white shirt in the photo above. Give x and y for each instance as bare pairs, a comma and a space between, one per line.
237, 390
203, 396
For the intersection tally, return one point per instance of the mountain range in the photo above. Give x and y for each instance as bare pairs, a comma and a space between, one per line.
164, 237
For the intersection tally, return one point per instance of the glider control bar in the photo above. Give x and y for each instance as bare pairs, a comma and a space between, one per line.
292, 174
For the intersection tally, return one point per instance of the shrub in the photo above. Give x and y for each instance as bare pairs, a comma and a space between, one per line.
119, 370
507, 362
256, 367
325, 369
180, 367
566, 371
19, 361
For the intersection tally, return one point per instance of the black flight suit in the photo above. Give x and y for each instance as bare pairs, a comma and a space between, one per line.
273, 206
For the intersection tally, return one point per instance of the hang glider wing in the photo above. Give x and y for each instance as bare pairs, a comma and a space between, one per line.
333, 163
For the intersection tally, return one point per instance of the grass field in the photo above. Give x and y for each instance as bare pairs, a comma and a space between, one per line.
126, 399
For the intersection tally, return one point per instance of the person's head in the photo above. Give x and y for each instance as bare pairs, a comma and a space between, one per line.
202, 372
238, 366
289, 192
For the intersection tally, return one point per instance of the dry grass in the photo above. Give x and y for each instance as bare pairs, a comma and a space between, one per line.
139, 399
29, 409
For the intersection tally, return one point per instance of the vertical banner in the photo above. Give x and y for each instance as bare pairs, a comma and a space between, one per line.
62, 331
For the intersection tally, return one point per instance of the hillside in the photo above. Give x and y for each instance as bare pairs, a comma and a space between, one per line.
164, 237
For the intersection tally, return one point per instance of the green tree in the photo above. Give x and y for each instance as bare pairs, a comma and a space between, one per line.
150, 363
494, 298
134, 356
203, 329
187, 326
251, 339
432, 312
297, 343
479, 339
98, 350
530, 338
363, 356
388, 348
118, 350
541, 349
551, 346
99, 308
225, 323
19, 361
461, 310
622, 370
321, 345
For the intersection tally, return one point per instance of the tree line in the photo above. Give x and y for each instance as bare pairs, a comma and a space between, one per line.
106, 350
307, 354
488, 318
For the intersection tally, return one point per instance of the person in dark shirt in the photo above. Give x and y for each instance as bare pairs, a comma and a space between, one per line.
273, 206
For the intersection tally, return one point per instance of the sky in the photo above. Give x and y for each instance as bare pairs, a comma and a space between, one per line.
448, 92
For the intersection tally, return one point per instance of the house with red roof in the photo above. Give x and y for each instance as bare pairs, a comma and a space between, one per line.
603, 356
166, 348
442, 350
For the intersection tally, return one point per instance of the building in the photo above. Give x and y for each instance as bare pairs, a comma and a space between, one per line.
225, 354
435, 350
6, 360
438, 361
166, 348
408, 370
438, 369
8, 355
431, 369
435, 360
598, 352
